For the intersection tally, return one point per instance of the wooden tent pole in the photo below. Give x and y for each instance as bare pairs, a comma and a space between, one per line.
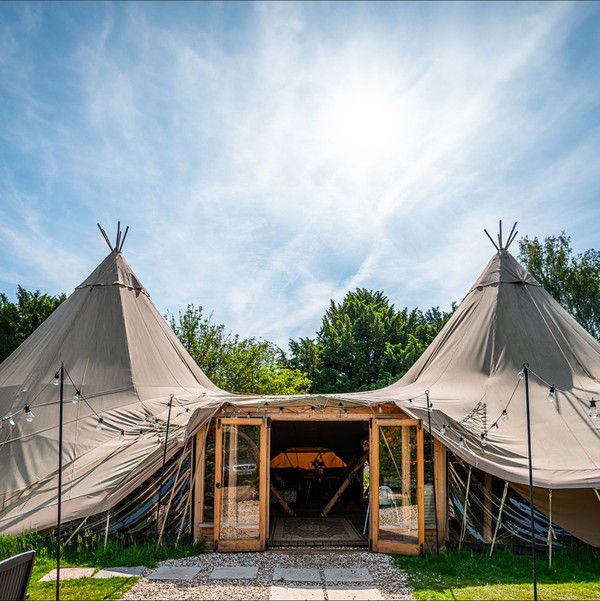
344, 485
499, 518
282, 501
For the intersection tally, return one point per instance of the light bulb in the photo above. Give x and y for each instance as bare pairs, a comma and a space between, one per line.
551, 396
122, 436
280, 410
158, 441
521, 374
345, 412
141, 434
76, 397
504, 415
100, 424
380, 409
56, 380
483, 440
429, 406
461, 443
11, 421
593, 412
443, 430
28, 414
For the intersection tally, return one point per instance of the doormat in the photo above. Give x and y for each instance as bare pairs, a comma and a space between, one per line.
330, 529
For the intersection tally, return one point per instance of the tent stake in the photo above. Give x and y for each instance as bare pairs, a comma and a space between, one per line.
499, 518
464, 524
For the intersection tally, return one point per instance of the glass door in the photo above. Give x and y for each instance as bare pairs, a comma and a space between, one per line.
397, 518
241, 485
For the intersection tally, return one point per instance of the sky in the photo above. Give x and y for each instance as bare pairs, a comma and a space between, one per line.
270, 157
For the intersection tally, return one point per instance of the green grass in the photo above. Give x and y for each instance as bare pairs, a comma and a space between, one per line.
470, 575
88, 550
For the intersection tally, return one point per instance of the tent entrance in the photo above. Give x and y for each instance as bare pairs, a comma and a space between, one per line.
317, 483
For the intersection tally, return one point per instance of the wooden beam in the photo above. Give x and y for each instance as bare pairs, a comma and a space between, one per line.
487, 509
439, 471
344, 485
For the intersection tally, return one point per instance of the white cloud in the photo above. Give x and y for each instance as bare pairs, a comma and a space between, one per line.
271, 159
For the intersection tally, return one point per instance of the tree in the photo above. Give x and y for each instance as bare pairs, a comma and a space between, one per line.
573, 280
364, 343
253, 366
18, 320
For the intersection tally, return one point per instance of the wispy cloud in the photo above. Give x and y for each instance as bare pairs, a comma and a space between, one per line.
270, 157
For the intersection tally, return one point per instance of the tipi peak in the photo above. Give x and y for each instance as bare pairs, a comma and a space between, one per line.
119, 241
501, 246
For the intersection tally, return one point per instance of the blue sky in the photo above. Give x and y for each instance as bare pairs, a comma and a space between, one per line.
269, 157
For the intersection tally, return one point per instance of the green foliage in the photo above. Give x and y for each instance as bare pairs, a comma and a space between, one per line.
469, 575
249, 365
573, 280
87, 549
18, 320
364, 343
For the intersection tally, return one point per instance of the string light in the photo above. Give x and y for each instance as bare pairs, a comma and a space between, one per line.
551, 394
593, 412
122, 435
28, 414
521, 374
142, 434
76, 397
100, 424
443, 429
11, 421
56, 380
504, 415
483, 440
461, 443
380, 409
345, 412
280, 410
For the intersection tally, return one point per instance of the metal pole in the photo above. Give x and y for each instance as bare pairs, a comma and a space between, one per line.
162, 472
431, 446
60, 458
526, 372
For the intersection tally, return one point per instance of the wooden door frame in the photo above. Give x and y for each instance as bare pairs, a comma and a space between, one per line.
250, 544
383, 546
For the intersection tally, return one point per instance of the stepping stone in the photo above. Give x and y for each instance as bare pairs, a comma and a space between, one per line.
126, 572
296, 575
235, 573
348, 575
68, 574
173, 573
296, 593
356, 593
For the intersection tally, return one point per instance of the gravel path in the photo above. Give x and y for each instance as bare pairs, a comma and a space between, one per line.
390, 581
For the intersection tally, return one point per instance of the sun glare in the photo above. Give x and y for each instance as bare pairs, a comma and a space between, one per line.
362, 127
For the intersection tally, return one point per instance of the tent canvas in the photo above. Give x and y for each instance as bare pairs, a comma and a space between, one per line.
125, 361
470, 376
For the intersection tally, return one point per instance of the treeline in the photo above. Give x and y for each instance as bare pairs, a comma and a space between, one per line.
363, 343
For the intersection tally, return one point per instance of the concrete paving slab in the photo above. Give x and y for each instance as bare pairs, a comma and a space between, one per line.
356, 593
174, 573
356, 574
296, 575
68, 574
124, 572
296, 593
235, 573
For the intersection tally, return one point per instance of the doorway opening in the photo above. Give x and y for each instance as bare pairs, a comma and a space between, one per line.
318, 483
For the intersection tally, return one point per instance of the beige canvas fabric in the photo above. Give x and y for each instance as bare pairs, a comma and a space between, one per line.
471, 372
123, 357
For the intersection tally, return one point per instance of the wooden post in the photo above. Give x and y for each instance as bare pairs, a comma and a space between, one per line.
487, 509
439, 471
344, 485
406, 460
198, 487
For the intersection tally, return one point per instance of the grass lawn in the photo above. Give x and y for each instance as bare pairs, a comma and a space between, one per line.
470, 575
87, 550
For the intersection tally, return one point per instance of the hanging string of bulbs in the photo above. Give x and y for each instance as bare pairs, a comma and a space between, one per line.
155, 427
445, 428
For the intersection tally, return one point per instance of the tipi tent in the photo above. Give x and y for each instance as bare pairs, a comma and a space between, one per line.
122, 363
471, 375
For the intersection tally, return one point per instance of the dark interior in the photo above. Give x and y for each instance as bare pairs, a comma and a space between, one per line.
308, 490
